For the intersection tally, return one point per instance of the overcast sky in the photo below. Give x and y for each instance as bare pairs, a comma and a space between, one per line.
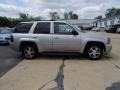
84, 8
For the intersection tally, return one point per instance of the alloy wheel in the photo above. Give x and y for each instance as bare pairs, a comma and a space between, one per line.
94, 52
29, 52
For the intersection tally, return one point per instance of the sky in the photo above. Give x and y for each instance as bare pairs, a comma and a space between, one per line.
86, 9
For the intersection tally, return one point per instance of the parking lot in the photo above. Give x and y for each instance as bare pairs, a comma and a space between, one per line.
58, 72
8, 59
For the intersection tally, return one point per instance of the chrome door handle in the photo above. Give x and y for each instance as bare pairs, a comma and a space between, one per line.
34, 37
56, 37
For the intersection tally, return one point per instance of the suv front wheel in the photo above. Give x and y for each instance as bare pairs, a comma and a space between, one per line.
29, 51
94, 51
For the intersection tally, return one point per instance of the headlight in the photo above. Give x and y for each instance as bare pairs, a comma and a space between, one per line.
108, 41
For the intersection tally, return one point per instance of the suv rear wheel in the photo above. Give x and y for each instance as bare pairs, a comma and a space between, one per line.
94, 51
29, 51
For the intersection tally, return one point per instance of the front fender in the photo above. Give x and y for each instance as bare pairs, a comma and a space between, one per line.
87, 40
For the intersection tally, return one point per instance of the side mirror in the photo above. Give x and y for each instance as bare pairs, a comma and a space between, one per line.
74, 32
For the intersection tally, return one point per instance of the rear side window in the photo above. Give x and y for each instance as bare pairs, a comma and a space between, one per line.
23, 28
42, 28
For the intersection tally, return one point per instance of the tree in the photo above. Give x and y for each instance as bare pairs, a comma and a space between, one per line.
38, 18
23, 16
74, 16
66, 16
27, 17
112, 12
54, 15
98, 17
4, 21
70, 15
12, 22
31, 18
118, 11
8, 22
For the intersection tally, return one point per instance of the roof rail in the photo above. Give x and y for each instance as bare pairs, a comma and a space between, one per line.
48, 20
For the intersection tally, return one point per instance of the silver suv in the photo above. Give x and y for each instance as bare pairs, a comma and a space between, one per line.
32, 38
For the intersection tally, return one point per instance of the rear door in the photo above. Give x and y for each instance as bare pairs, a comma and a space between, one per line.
21, 32
43, 36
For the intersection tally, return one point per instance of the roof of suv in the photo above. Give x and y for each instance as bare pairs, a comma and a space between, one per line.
43, 21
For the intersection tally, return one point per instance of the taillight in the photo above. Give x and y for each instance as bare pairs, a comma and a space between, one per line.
12, 39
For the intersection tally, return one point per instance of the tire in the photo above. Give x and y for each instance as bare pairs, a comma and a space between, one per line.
94, 51
29, 51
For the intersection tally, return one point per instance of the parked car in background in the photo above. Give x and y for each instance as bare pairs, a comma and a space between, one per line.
5, 34
118, 30
95, 29
32, 38
103, 29
114, 28
107, 29
87, 28
98, 29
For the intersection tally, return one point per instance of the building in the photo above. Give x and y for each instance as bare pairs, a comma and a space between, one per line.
106, 22
81, 22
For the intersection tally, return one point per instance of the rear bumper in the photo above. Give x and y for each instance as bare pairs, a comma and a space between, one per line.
108, 49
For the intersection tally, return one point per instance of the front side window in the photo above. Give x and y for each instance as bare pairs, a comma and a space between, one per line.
42, 28
23, 28
62, 28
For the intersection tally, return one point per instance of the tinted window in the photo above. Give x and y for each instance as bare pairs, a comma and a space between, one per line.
62, 28
42, 28
23, 28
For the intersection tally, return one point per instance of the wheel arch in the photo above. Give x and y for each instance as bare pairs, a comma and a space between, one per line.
23, 43
94, 42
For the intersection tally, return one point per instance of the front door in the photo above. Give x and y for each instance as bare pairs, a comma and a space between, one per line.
63, 39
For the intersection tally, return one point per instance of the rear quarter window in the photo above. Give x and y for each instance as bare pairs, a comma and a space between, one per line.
23, 28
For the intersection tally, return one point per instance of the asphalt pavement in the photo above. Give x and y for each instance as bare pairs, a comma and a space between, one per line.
8, 59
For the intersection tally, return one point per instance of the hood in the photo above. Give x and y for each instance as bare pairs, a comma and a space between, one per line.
5, 35
94, 35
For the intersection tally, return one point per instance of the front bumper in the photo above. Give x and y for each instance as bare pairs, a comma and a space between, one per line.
108, 49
